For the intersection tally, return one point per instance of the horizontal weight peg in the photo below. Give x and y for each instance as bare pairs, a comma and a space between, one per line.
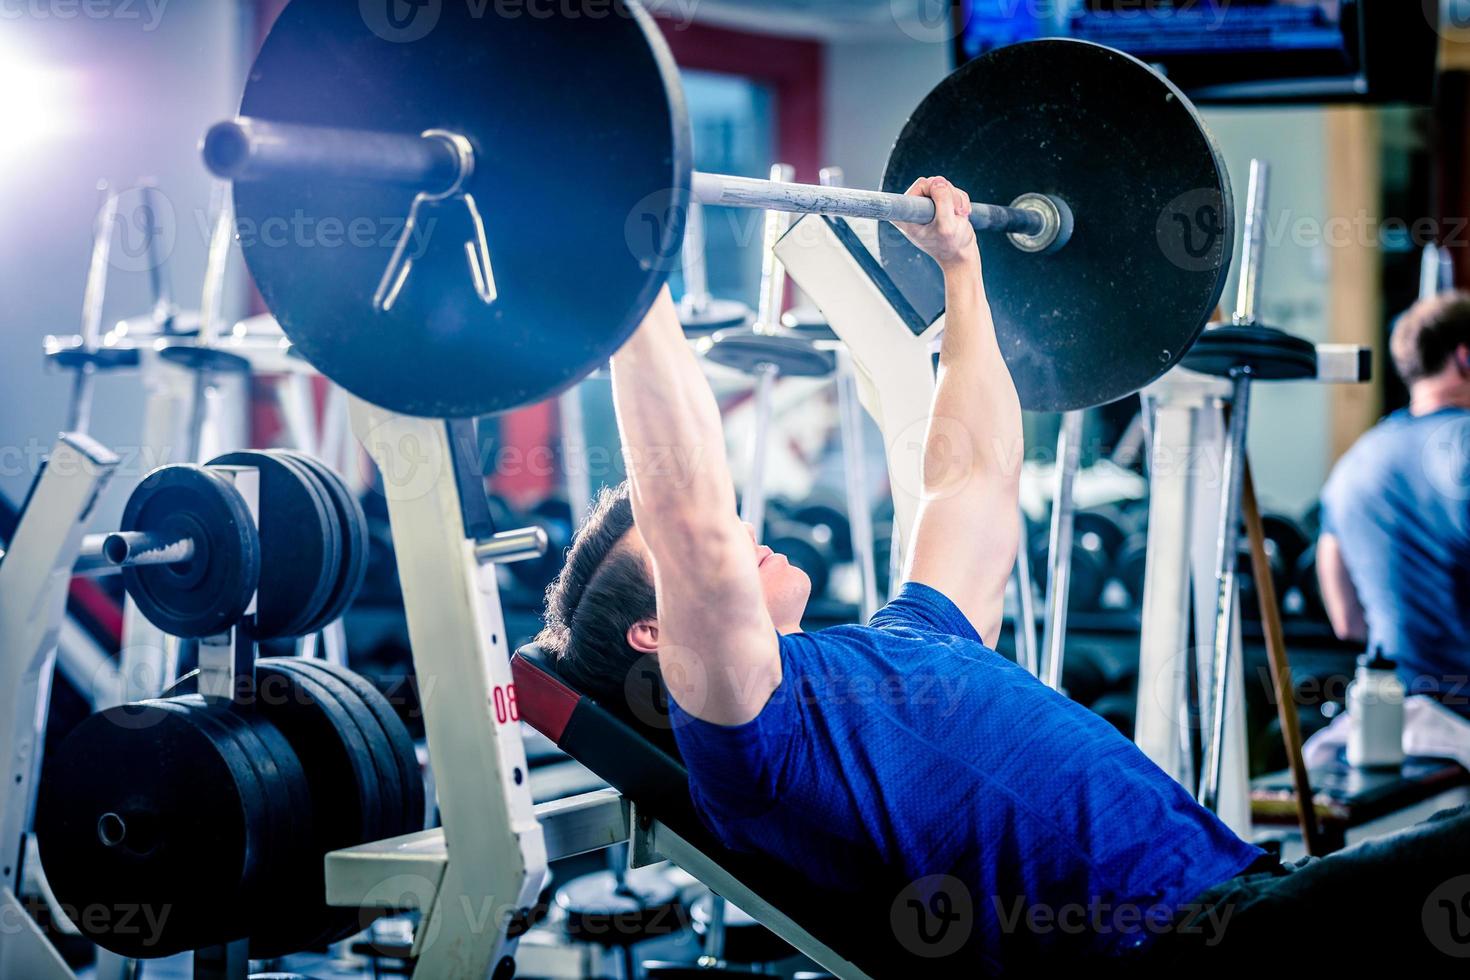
106, 553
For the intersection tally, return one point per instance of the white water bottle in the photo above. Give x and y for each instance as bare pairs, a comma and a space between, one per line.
1376, 704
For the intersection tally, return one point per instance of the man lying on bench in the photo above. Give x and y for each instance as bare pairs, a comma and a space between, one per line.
905, 760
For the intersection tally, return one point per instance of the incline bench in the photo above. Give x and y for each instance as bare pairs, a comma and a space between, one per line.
850, 935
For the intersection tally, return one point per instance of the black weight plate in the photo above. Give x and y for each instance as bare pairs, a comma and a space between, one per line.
185, 848
295, 819
281, 781
100, 359
410, 776
1271, 354
331, 535
1120, 303
339, 769
385, 764
793, 357
809, 323
210, 359
211, 591
746, 940
602, 909
262, 800
577, 99
718, 314
298, 553
353, 534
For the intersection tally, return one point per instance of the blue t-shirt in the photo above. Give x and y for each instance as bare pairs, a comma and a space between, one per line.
1399, 505
905, 761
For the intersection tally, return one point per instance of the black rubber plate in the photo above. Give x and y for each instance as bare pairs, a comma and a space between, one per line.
263, 799
282, 896
341, 772
352, 533
186, 843
1271, 354
582, 110
385, 765
719, 314
410, 776
298, 543
792, 356
1119, 304
208, 593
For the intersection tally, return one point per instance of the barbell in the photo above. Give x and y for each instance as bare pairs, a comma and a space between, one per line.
473, 215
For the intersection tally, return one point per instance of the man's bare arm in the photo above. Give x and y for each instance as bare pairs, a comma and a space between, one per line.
717, 645
968, 524
1339, 594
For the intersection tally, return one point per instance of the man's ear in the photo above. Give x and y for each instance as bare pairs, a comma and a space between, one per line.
643, 636
1462, 359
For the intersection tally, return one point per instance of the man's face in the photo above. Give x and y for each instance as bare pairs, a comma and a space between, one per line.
785, 587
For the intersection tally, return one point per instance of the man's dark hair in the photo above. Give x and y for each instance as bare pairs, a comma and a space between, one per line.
600, 593
1428, 334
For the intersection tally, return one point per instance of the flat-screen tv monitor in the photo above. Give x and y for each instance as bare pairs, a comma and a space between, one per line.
1238, 51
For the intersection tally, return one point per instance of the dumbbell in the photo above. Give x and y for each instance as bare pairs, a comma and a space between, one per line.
1083, 677
1310, 587
1119, 709
808, 548
882, 553
1284, 543
1091, 567
221, 814
1288, 538
829, 524
1131, 566
619, 909
746, 942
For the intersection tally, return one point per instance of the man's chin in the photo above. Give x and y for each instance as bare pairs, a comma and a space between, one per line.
796, 595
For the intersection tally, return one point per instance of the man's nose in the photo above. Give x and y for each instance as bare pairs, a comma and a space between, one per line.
750, 529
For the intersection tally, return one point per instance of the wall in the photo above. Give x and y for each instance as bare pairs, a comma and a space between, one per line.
872, 87
1289, 422
119, 97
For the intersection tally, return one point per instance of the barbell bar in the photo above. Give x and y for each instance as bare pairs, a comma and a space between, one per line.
433, 164
474, 221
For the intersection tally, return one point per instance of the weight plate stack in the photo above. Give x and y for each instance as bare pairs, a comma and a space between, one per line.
352, 532
1271, 354
152, 829
347, 804
209, 592
403, 754
300, 551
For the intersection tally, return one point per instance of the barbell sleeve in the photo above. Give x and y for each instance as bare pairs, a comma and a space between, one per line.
256, 149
